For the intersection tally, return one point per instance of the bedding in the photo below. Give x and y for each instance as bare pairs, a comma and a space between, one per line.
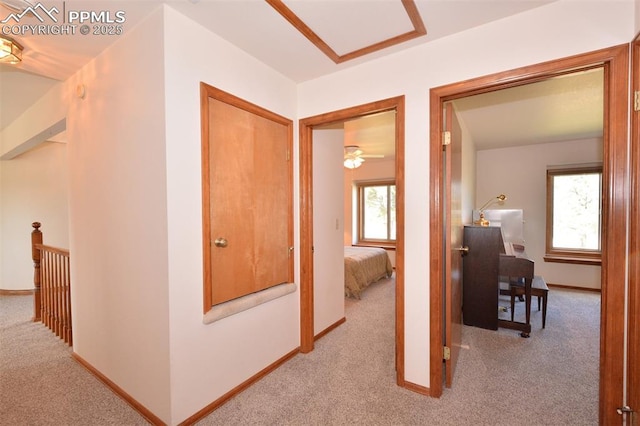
363, 266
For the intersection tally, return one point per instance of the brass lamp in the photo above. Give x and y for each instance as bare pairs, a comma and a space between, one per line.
482, 221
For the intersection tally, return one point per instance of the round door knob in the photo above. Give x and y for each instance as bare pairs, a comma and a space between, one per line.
221, 242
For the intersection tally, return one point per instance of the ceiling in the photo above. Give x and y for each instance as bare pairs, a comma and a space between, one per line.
257, 28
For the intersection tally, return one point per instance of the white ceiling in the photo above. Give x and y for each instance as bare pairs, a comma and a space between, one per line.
255, 27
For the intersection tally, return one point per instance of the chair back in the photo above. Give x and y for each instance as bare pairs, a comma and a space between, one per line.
516, 269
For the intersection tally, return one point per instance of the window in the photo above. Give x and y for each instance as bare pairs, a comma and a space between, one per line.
377, 213
574, 200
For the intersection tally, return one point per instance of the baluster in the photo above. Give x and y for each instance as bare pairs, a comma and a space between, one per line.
36, 238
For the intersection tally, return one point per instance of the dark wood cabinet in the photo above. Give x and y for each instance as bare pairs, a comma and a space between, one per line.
480, 276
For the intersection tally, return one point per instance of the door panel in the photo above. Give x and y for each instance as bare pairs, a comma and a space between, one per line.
454, 240
633, 367
249, 198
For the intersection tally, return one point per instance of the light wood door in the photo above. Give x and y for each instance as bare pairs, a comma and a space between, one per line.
454, 239
249, 195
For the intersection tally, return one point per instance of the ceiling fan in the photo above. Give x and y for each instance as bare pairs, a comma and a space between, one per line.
354, 156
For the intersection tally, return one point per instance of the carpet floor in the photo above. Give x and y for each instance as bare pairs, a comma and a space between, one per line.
349, 379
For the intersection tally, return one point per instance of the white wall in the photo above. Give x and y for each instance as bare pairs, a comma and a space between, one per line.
18, 200
521, 175
208, 361
468, 177
34, 188
328, 228
548, 32
118, 216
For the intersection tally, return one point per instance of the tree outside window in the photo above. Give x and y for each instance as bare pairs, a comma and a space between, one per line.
377, 212
574, 200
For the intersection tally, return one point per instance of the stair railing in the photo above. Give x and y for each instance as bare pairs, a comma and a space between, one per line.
52, 283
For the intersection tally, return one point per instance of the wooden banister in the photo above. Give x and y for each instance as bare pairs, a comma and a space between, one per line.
52, 294
36, 239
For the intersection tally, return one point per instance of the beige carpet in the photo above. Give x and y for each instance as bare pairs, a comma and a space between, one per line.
349, 379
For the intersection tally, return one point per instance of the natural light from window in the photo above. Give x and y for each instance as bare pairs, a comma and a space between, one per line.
576, 211
377, 215
574, 202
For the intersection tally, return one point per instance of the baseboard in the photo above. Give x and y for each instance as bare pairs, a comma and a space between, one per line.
571, 287
237, 390
144, 412
16, 292
329, 329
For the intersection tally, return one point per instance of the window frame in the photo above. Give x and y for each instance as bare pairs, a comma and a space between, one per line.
374, 242
564, 255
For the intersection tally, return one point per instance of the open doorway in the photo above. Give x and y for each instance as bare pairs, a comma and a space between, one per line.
615, 64
307, 126
354, 210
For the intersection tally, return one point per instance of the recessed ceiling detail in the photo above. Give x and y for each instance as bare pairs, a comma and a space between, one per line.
407, 21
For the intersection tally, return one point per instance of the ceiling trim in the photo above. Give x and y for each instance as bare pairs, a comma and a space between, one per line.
409, 6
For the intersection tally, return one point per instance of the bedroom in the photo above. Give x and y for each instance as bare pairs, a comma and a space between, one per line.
334, 217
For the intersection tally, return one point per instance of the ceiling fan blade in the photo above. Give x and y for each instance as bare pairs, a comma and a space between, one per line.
372, 156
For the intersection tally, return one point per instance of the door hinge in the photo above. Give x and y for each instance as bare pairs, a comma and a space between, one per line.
446, 138
446, 353
636, 100
288, 155
624, 409
290, 251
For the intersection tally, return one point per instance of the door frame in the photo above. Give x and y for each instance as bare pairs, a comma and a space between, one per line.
633, 380
306, 126
615, 61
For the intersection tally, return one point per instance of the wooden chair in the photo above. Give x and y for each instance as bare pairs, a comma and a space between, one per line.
539, 289
516, 278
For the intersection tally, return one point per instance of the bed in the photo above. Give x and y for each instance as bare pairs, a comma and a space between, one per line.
363, 266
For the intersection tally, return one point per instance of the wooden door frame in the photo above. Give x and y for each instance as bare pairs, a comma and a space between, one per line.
633, 393
306, 218
615, 61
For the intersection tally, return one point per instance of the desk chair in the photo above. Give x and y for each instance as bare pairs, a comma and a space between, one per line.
539, 289
516, 277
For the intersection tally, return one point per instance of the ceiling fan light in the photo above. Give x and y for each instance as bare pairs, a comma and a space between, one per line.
10, 51
353, 163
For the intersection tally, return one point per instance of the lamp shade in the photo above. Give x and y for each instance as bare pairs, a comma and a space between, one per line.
10, 51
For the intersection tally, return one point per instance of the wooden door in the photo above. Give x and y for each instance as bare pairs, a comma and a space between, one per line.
453, 241
633, 358
248, 223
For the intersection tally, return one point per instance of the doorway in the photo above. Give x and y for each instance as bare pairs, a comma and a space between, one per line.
307, 126
615, 63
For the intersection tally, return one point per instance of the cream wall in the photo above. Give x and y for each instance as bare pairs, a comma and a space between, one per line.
522, 176
34, 188
548, 32
118, 216
19, 189
328, 228
207, 361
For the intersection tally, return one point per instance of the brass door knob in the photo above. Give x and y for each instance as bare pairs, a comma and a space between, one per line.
221, 242
463, 250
